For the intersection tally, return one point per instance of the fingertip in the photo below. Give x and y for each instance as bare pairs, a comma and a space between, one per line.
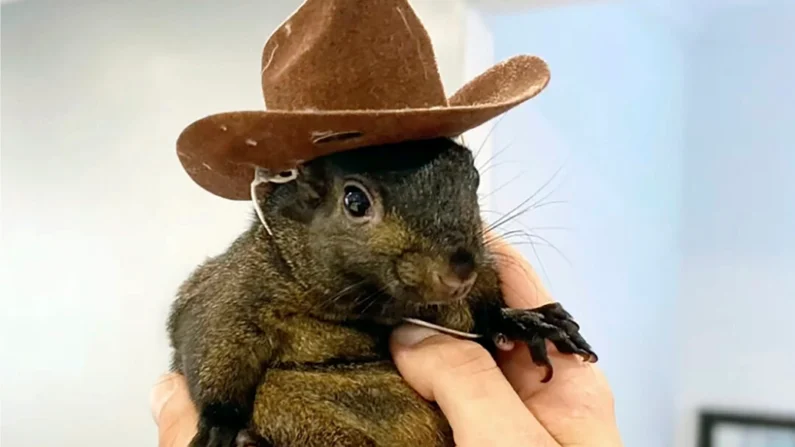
415, 350
522, 287
409, 335
465, 381
173, 411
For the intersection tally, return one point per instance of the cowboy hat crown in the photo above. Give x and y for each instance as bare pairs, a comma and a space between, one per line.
343, 74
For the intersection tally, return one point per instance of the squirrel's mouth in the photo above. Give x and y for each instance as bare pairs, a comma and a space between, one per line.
430, 283
429, 295
426, 280
396, 300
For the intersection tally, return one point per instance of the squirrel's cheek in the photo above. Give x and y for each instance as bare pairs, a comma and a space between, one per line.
390, 237
409, 270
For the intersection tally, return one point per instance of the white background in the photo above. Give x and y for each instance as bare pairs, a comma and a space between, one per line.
100, 222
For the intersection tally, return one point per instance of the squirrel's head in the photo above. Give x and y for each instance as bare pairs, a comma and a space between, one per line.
383, 230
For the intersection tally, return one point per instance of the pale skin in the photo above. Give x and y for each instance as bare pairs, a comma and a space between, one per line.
498, 403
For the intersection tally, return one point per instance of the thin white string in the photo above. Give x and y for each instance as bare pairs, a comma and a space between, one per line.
442, 328
270, 59
259, 178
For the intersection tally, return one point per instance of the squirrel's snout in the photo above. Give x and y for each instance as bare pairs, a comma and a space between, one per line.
456, 282
439, 279
452, 287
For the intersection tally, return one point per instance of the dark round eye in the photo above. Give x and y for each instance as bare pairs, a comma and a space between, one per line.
356, 201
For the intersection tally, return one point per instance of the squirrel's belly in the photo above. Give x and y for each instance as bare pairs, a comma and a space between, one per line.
361, 404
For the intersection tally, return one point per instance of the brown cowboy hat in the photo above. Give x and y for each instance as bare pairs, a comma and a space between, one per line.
343, 74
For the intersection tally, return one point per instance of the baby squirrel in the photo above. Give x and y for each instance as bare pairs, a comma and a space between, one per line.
283, 337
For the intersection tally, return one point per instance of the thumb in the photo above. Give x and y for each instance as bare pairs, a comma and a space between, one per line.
464, 380
173, 411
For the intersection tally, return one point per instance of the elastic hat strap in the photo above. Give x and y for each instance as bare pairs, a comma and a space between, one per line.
263, 176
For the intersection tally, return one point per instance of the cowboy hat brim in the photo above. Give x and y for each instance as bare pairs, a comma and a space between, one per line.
220, 152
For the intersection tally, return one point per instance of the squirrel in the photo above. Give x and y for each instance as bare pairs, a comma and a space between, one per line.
283, 338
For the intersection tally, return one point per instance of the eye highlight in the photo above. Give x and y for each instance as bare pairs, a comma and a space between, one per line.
356, 202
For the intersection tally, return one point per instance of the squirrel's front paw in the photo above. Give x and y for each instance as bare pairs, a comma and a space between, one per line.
222, 425
549, 322
226, 437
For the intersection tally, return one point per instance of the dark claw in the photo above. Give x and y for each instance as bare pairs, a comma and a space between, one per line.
538, 351
549, 322
557, 312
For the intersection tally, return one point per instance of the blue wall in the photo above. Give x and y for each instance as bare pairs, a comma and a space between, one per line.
739, 208
612, 117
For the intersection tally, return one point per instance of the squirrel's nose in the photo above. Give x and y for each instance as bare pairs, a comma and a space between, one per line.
462, 263
457, 282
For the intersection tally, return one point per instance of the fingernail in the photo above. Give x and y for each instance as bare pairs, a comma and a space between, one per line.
161, 393
410, 335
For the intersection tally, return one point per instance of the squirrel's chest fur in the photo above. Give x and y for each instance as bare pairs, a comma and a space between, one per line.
333, 383
305, 339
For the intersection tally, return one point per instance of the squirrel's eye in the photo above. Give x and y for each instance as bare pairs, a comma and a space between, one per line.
356, 202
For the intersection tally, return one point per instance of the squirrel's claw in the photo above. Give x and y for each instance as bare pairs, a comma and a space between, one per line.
549, 322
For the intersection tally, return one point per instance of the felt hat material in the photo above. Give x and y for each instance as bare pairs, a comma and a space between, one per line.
343, 74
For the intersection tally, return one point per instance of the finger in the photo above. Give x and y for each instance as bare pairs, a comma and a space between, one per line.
464, 380
523, 288
576, 407
521, 285
173, 411
525, 376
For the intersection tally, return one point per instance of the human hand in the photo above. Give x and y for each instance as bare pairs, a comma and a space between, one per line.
504, 403
174, 413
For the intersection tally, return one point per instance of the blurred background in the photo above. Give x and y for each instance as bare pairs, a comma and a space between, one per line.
661, 156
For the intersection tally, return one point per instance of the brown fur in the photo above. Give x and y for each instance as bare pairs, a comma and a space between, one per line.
286, 335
